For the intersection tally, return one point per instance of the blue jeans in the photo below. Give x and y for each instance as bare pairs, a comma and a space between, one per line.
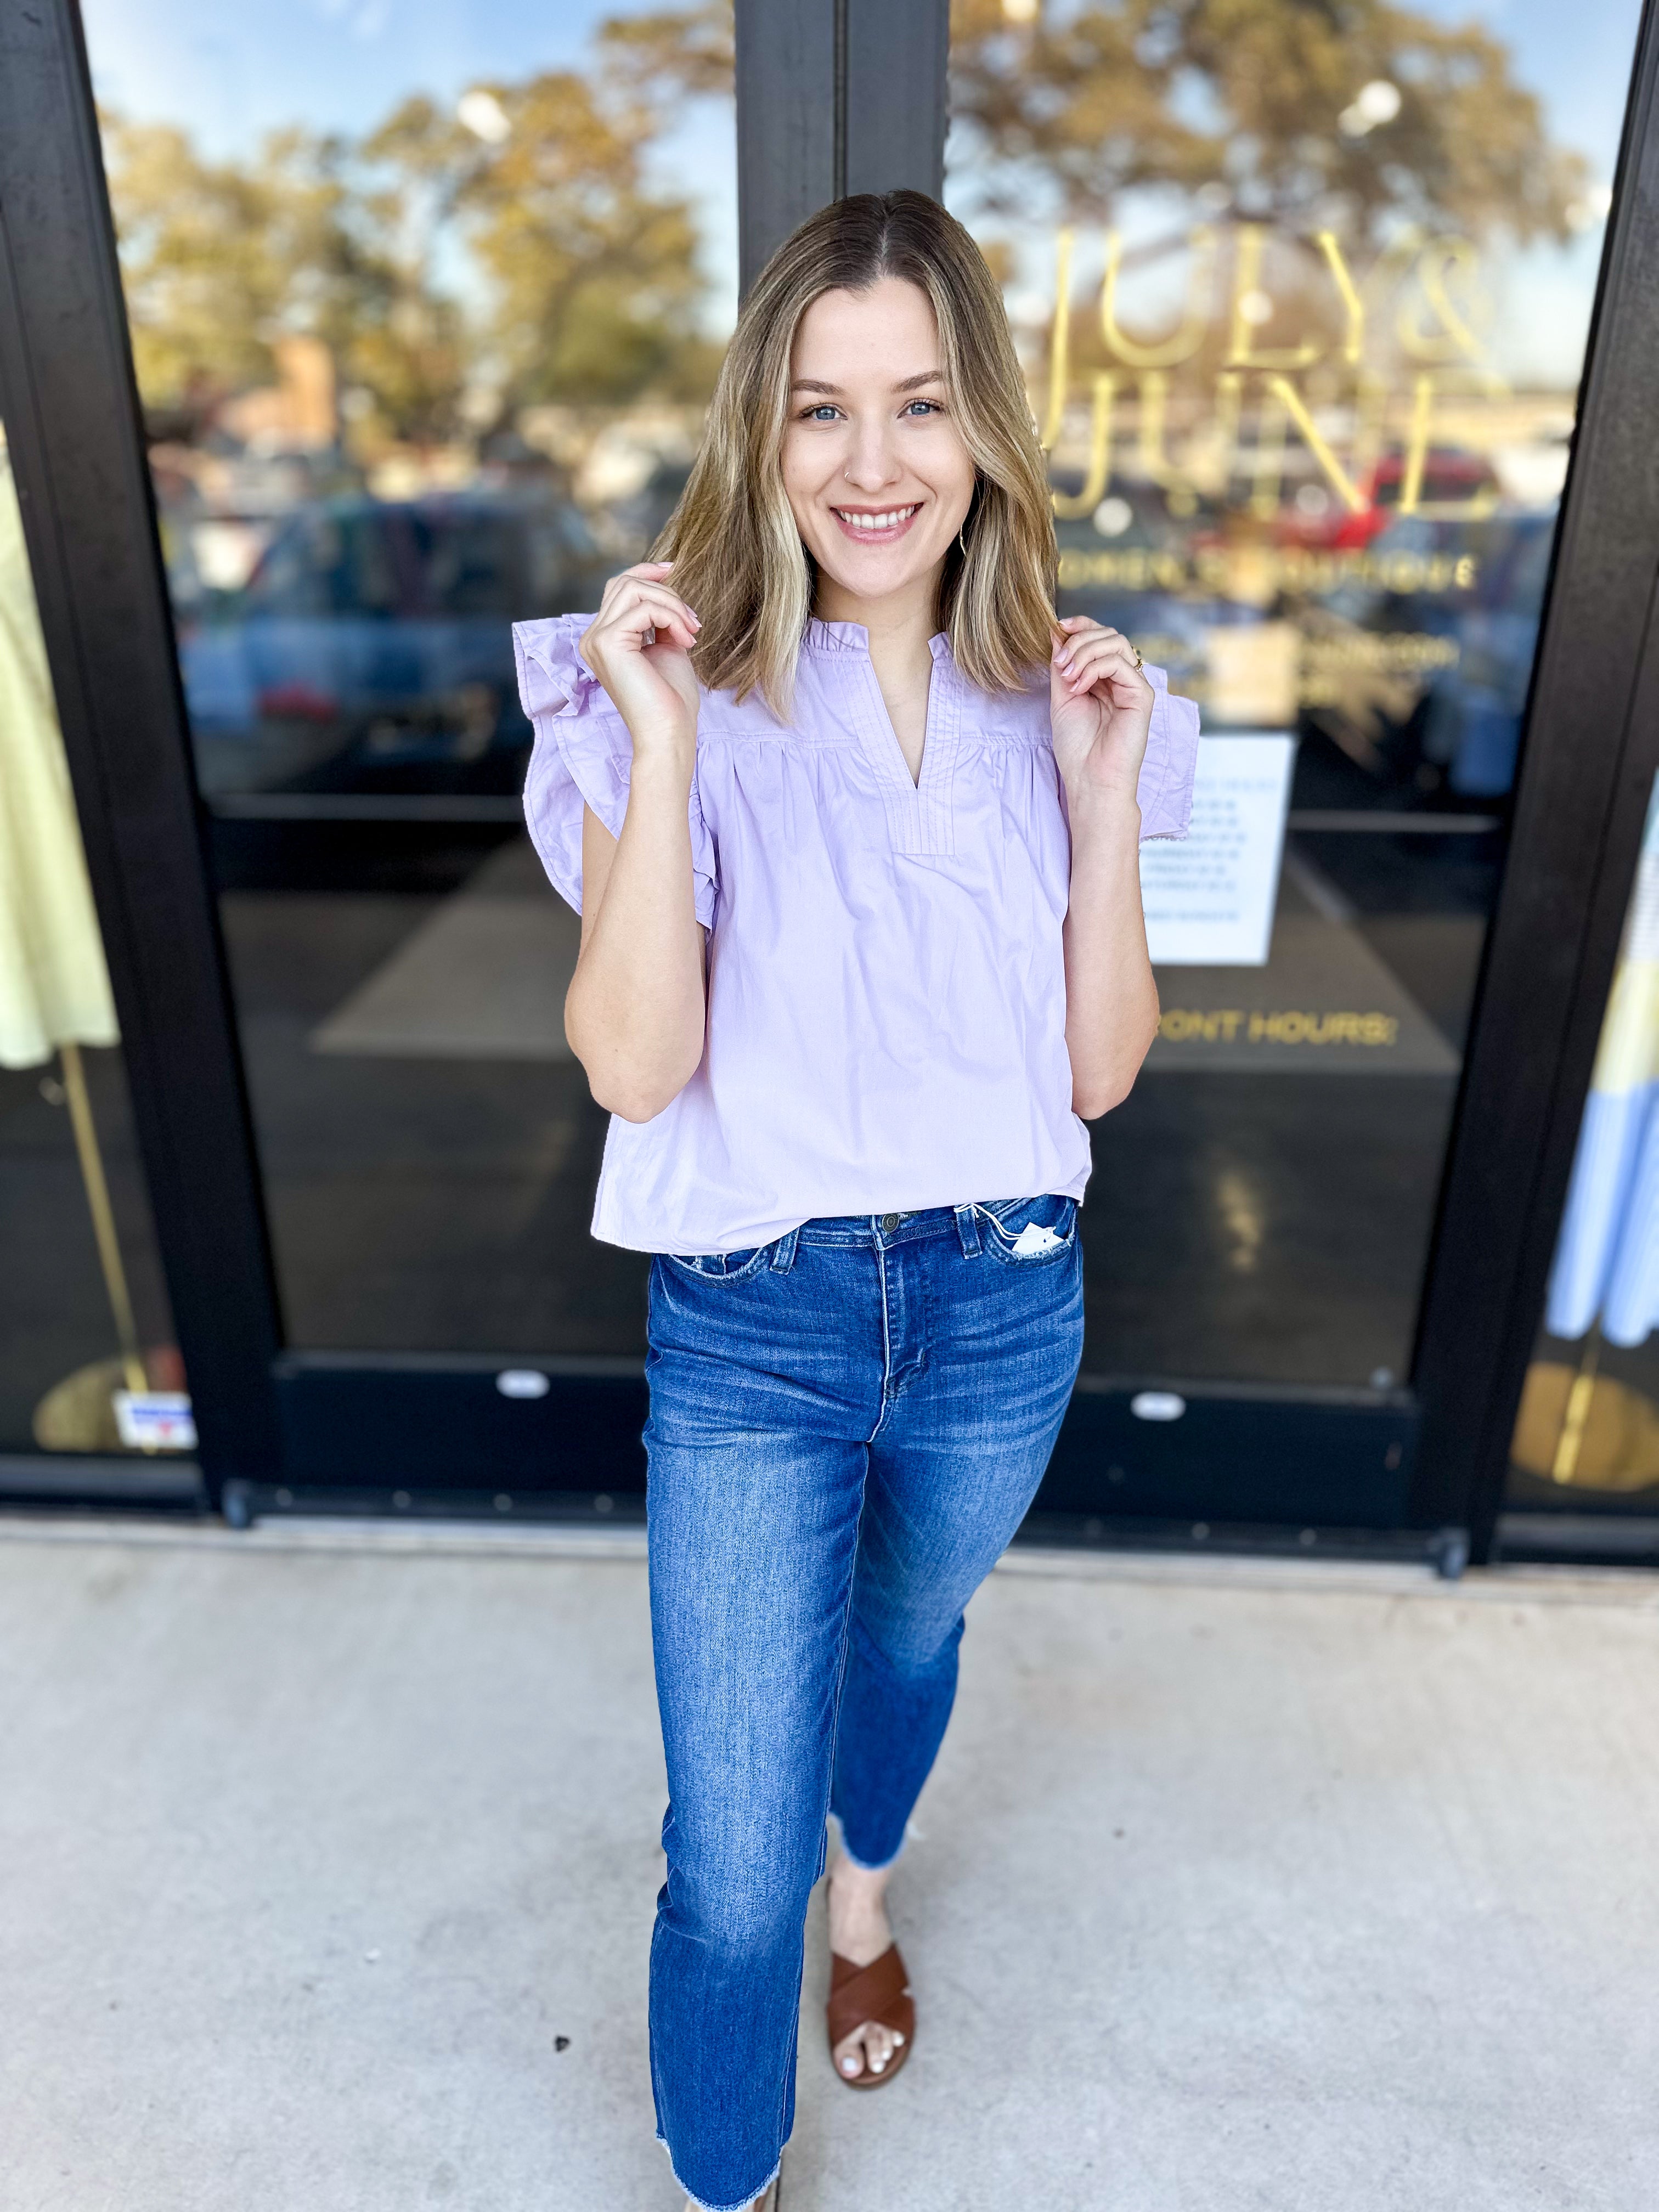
847, 1427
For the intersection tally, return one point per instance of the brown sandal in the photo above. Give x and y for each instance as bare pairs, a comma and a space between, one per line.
879, 1994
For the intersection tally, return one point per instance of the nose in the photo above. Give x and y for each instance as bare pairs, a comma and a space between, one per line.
871, 464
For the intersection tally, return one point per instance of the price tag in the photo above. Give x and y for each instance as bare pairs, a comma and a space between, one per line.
155, 1420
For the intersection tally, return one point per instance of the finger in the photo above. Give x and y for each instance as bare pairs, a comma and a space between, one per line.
623, 591
1066, 650
619, 588
1096, 645
644, 628
1112, 674
634, 627
1075, 628
651, 571
640, 607
1091, 663
658, 602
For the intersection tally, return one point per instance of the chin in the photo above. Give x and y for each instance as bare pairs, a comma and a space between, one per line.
874, 575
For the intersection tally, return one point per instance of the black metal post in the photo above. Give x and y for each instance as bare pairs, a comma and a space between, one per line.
833, 96
788, 54
70, 407
893, 116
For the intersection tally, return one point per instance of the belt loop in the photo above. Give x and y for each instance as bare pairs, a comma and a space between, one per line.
783, 1252
968, 1230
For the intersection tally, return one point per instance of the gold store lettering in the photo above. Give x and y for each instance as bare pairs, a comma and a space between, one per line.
1431, 328
1191, 1025
1295, 1028
1287, 567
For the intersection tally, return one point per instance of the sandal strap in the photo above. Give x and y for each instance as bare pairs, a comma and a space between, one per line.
879, 1992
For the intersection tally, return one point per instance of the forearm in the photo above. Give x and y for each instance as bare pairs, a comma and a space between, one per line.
1111, 998
634, 1013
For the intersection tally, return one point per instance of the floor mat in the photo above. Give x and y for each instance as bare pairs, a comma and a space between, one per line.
483, 979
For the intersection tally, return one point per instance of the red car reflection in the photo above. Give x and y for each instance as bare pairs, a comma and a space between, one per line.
1455, 484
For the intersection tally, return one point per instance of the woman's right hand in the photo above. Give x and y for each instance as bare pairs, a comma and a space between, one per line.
639, 645
633, 1012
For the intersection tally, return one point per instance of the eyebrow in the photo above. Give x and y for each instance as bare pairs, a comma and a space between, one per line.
907, 384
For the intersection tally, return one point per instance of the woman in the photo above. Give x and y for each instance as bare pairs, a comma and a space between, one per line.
852, 823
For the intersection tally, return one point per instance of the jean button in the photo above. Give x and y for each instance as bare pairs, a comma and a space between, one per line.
890, 1221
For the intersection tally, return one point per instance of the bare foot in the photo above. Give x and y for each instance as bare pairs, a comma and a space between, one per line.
860, 1930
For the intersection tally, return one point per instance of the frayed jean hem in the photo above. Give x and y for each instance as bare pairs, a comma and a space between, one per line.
703, 2203
865, 1866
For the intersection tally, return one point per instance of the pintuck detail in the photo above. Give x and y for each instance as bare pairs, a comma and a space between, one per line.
886, 1008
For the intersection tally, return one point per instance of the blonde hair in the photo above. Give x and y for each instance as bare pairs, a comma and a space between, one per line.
737, 555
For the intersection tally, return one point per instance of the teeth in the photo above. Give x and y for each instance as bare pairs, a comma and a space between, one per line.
887, 521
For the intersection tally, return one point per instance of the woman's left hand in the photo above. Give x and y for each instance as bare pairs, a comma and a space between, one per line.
1100, 709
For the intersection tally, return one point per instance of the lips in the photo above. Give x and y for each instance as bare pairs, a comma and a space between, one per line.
876, 524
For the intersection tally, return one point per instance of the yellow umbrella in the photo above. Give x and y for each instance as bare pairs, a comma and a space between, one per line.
54, 985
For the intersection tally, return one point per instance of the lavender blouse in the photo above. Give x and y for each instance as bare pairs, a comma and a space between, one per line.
886, 1025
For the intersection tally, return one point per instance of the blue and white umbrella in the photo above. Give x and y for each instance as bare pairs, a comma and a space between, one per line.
1606, 1257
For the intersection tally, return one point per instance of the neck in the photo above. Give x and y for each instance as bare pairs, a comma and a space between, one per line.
900, 623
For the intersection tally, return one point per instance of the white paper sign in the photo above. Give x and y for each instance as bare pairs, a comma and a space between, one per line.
1209, 898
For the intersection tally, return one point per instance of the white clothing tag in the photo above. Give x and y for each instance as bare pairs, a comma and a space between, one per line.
1032, 1240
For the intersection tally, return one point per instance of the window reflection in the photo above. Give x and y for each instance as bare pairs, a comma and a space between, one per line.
442, 367
1303, 298
426, 302
1278, 278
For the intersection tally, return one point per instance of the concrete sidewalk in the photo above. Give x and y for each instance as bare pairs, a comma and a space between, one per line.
329, 1863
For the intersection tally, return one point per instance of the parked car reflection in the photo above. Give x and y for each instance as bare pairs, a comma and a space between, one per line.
1453, 733
370, 648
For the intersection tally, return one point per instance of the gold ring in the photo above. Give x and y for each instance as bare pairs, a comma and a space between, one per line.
1136, 649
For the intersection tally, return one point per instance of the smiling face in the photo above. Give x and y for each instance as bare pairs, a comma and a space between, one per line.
874, 465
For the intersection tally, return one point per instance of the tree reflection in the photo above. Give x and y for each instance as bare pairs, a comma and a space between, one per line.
1358, 116
455, 264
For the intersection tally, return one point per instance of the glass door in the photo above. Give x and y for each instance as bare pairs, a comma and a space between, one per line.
1304, 314
425, 303
90, 1373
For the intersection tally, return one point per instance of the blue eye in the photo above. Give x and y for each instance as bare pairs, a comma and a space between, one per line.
926, 407
821, 413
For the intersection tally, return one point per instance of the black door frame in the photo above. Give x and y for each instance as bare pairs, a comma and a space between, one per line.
1588, 758
286, 1425
270, 1420
70, 402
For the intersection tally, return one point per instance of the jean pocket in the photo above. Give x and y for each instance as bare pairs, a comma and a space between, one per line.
1030, 1232
720, 1266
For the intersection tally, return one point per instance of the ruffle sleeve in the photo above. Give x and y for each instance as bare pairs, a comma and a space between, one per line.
1166, 789
583, 755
